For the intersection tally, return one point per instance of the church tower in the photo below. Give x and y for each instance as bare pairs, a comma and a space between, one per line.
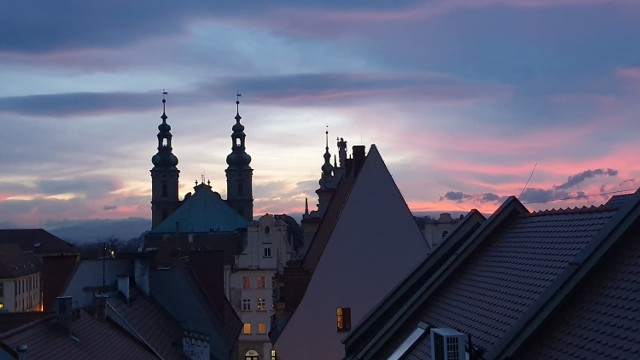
239, 173
164, 175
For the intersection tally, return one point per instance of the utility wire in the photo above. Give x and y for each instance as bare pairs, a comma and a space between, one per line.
529, 179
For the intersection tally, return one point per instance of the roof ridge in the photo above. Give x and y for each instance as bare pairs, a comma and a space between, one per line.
574, 210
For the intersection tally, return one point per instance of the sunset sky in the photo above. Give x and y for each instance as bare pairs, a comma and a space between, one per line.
463, 98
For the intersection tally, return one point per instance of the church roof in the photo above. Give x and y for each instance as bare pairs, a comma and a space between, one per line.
203, 212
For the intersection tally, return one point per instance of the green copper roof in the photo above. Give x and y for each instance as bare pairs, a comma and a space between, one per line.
203, 212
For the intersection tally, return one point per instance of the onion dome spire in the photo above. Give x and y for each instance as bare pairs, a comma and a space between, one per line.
238, 157
165, 157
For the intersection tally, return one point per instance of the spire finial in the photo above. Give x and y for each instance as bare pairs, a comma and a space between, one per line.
164, 105
326, 135
238, 102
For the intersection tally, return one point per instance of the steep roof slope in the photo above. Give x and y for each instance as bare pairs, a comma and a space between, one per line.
203, 212
94, 340
508, 273
36, 241
374, 244
602, 318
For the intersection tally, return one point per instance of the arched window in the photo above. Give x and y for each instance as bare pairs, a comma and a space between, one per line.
267, 229
251, 355
165, 142
444, 234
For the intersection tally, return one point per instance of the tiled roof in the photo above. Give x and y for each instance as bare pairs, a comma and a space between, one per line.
203, 212
92, 339
601, 319
15, 263
148, 320
36, 241
503, 278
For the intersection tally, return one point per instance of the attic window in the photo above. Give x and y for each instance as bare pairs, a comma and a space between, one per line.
444, 234
343, 316
267, 229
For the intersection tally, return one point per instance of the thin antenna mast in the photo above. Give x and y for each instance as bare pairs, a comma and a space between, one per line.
527, 183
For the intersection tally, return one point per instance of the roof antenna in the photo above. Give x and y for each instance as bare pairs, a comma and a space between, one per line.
527, 183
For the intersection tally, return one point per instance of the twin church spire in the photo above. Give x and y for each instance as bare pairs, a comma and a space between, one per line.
164, 174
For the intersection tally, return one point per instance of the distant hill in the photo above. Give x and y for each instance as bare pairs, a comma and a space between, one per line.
89, 231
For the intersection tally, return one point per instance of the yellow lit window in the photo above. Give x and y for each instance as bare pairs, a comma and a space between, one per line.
246, 282
273, 354
246, 329
262, 328
343, 316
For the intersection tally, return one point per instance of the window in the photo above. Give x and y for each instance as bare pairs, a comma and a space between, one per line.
246, 329
273, 354
251, 355
246, 304
344, 319
261, 282
267, 229
266, 252
262, 328
1, 306
262, 304
444, 234
246, 282
165, 189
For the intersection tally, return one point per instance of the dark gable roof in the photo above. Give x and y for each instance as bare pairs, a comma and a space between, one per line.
36, 241
96, 340
56, 271
146, 319
14, 263
505, 280
601, 320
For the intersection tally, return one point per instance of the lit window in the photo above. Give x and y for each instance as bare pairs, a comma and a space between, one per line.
1, 306
246, 304
266, 252
246, 282
261, 282
273, 354
246, 329
262, 328
262, 306
344, 319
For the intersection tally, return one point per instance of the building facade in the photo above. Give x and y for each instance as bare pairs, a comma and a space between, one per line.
269, 246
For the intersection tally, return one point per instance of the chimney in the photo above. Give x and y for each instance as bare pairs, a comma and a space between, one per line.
141, 274
64, 311
123, 286
358, 158
100, 306
22, 351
